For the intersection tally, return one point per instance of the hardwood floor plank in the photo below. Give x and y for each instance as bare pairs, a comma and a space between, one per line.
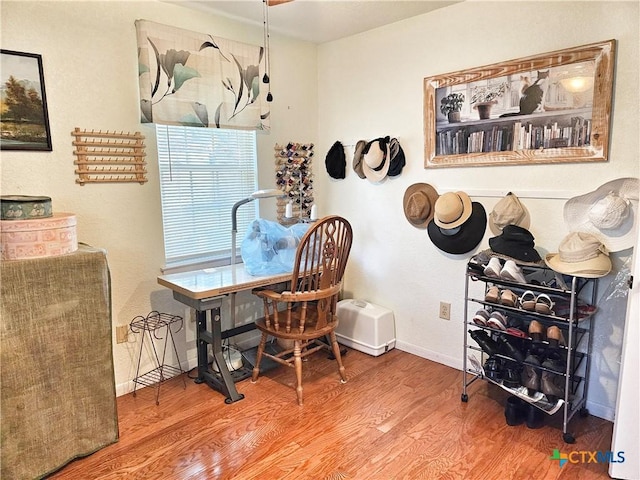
398, 416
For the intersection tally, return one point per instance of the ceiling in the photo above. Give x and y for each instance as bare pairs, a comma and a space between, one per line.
318, 21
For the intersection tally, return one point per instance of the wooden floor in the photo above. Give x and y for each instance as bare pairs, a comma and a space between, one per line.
399, 416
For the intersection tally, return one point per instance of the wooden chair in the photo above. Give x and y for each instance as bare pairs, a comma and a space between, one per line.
307, 313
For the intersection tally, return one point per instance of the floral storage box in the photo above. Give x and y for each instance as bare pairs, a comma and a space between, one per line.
38, 237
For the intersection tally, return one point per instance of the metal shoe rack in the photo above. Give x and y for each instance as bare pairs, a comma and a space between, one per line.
574, 299
158, 327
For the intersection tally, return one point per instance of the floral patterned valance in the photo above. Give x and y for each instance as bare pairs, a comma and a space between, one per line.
196, 79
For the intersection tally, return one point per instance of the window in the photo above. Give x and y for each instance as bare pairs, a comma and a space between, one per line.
203, 172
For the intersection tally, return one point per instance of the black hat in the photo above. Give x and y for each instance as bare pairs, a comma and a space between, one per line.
336, 162
515, 242
463, 238
397, 158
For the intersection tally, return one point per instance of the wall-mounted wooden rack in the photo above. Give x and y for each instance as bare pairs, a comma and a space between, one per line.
108, 157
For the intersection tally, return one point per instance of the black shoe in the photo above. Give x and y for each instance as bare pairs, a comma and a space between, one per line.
486, 343
511, 375
493, 369
534, 417
508, 347
514, 412
551, 383
531, 374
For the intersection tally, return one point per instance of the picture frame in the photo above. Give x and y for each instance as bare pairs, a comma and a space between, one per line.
548, 108
24, 119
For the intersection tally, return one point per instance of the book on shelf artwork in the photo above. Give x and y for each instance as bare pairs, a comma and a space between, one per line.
542, 109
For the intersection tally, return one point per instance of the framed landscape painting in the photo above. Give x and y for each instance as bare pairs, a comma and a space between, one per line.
24, 121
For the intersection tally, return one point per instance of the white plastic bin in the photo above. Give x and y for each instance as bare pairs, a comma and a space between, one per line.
366, 327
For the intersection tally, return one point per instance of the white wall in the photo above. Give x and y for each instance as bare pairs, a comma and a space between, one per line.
361, 87
371, 86
90, 67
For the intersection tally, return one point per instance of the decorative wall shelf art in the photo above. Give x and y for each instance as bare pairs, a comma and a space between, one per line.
294, 177
108, 157
548, 108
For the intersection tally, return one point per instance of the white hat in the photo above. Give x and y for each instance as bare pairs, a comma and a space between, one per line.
508, 211
608, 213
582, 255
376, 159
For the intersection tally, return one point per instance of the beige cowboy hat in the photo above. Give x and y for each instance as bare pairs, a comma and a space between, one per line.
580, 254
419, 204
609, 213
508, 211
375, 164
452, 209
357, 158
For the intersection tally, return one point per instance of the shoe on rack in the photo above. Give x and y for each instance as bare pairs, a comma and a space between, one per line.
493, 369
536, 330
531, 374
555, 337
508, 298
508, 347
493, 268
492, 295
544, 304
534, 417
528, 301
552, 383
497, 320
512, 272
486, 343
481, 317
515, 411
511, 375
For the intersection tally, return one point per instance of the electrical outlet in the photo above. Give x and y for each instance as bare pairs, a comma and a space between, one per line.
445, 311
122, 333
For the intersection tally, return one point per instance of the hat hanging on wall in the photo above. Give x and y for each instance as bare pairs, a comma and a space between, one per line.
580, 254
608, 213
419, 204
375, 162
335, 161
357, 158
458, 224
398, 160
515, 242
508, 211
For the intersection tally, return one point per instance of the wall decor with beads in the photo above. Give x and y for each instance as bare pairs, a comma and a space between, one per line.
295, 178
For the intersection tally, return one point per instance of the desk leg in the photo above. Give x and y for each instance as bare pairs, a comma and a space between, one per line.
214, 337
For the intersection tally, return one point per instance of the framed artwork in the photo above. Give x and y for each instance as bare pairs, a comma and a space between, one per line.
548, 108
24, 121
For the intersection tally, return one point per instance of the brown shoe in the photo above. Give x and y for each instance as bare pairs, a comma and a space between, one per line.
536, 330
555, 337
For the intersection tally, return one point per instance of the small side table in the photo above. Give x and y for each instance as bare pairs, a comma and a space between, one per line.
154, 324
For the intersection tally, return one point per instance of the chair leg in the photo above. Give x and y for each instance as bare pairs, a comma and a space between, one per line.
256, 367
297, 361
336, 353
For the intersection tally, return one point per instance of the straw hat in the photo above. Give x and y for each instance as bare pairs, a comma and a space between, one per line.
508, 211
418, 203
580, 254
608, 213
452, 210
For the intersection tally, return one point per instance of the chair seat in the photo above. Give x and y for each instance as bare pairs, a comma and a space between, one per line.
310, 332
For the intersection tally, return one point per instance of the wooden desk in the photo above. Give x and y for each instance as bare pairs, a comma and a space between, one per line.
204, 290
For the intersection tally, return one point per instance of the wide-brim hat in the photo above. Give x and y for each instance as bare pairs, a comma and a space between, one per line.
419, 204
398, 161
463, 238
580, 254
508, 211
609, 213
452, 210
375, 164
516, 242
357, 158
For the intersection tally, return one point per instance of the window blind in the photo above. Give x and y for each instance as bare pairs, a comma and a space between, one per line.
203, 172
